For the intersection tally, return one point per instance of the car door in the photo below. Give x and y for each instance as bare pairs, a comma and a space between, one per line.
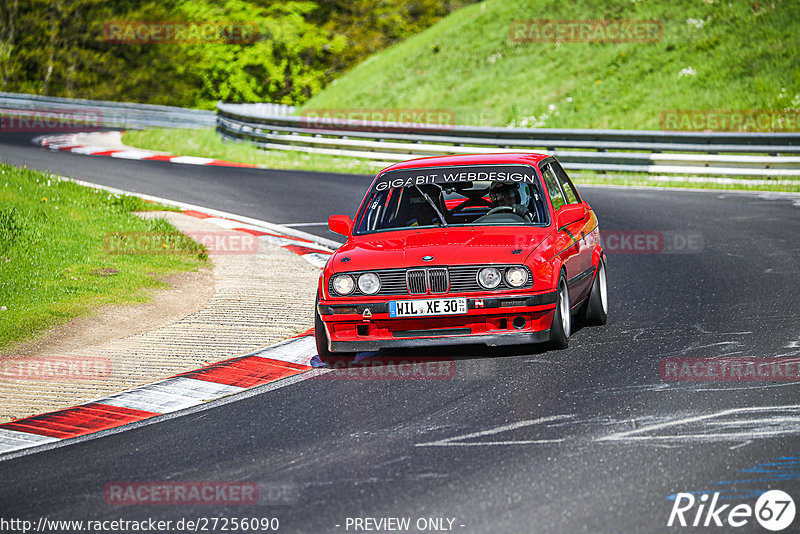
568, 247
577, 256
585, 226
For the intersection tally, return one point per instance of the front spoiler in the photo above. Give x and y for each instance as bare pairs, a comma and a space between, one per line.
485, 303
490, 340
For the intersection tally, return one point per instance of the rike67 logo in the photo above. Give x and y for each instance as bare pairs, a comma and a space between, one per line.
774, 510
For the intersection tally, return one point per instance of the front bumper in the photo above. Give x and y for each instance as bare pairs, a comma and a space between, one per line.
492, 321
490, 340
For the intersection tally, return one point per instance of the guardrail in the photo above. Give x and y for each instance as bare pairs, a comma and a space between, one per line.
717, 153
113, 114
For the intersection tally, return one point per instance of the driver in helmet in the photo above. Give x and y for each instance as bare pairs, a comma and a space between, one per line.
503, 194
507, 196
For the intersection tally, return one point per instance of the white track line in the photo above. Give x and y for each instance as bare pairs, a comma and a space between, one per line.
277, 228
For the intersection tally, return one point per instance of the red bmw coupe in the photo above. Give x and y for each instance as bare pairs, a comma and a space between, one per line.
495, 249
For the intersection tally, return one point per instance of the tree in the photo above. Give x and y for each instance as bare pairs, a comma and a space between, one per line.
302, 46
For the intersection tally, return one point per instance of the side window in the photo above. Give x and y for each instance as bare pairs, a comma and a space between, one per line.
566, 185
552, 186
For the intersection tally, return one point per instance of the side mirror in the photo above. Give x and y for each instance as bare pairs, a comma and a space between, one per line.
340, 224
567, 215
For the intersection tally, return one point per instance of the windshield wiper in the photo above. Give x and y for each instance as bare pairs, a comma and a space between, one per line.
433, 205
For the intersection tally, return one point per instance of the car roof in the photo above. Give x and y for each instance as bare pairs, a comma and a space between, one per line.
520, 158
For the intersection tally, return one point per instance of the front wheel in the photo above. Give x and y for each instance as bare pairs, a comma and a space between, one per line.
562, 318
596, 311
334, 359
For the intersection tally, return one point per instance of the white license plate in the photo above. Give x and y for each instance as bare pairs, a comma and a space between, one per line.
417, 308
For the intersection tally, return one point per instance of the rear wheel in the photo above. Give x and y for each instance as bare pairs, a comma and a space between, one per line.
562, 318
596, 311
334, 359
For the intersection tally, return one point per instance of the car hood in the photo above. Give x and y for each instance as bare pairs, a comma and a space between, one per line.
447, 246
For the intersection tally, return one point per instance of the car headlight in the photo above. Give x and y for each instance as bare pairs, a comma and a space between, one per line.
343, 284
369, 283
516, 276
489, 277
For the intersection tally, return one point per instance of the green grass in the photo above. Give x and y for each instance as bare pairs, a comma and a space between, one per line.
744, 56
53, 260
639, 179
206, 143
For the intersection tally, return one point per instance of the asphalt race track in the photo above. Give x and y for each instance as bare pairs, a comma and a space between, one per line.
519, 440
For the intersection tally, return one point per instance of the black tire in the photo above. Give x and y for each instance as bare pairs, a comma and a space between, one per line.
596, 309
334, 359
562, 318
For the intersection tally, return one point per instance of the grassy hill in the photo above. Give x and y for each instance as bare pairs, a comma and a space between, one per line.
713, 54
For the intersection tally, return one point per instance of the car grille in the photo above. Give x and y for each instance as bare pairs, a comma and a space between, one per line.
434, 280
416, 280
437, 280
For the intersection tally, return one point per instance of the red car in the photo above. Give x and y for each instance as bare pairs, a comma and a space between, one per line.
493, 249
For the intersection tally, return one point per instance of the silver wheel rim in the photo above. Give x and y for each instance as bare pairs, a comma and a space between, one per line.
563, 309
601, 277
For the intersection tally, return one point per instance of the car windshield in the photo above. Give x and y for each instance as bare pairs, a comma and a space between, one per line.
453, 196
